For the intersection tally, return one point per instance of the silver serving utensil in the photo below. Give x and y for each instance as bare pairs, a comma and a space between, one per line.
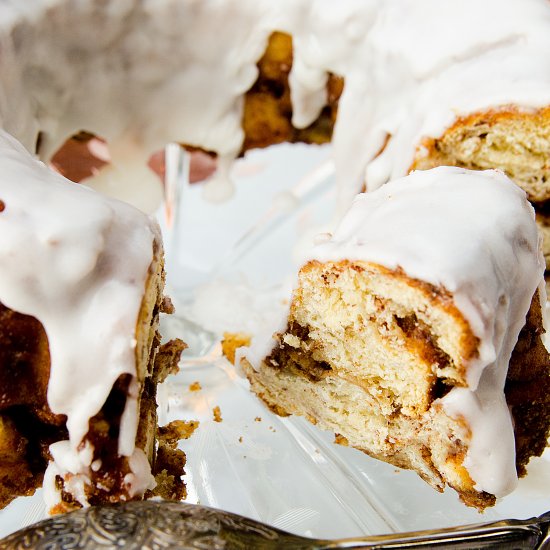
175, 525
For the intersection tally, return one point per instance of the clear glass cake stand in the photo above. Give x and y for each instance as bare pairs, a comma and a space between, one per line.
230, 268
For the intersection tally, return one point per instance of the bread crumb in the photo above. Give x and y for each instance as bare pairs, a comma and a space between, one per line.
175, 431
195, 386
232, 341
168, 486
167, 359
217, 414
341, 440
167, 306
170, 461
241, 439
258, 419
292, 340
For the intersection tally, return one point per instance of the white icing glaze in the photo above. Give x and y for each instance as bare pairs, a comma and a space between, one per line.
66, 461
140, 479
409, 70
473, 233
77, 262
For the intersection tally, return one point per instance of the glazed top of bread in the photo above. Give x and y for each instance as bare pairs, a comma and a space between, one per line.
474, 235
78, 262
142, 74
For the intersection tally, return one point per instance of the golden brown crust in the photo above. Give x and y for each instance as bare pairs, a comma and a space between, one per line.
170, 461
528, 389
24, 362
231, 342
27, 425
167, 359
217, 414
16, 474
175, 431
513, 140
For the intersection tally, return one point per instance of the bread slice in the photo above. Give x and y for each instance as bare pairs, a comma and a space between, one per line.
28, 427
367, 354
383, 358
81, 292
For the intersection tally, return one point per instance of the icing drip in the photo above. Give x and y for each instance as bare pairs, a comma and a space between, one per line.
409, 70
141, 479
473, 233
61, 249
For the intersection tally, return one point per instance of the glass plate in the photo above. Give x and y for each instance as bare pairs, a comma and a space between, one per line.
230, 268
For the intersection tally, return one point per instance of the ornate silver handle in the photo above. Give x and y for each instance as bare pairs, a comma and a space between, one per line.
174, 525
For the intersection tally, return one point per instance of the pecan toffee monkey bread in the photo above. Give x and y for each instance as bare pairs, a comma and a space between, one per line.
402, 335
411, 86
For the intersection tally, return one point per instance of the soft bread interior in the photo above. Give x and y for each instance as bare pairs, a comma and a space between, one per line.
431, 446
397, 337
366, 354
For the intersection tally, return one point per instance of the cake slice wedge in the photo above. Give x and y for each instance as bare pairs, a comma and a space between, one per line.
81, 292
403, 327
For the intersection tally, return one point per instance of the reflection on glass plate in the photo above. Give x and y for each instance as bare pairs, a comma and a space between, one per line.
230, 268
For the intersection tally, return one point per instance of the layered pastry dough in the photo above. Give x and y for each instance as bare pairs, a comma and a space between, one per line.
403, 326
